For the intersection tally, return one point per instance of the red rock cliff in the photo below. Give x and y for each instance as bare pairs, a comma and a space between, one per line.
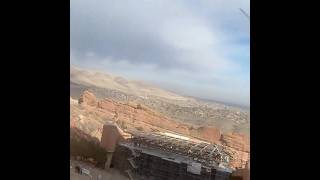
238, 145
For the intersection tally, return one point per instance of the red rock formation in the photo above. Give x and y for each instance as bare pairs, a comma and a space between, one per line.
239, 146
209, 133
107, 105
138, 115
236, 141
88, 98
131, 112
243, 173
110, 137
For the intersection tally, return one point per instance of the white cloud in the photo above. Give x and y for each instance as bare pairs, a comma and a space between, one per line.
190, 43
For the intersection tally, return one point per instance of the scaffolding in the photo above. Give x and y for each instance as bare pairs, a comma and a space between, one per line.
156, 156
211, 155
144, 165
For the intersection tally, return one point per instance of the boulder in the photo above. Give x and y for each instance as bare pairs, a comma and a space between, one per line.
88, 98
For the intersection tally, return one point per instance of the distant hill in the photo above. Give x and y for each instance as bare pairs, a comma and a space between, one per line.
102, 80
228, 118
247, 108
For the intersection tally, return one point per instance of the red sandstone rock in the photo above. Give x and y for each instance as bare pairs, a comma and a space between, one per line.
209, 133
134, 115
132, 112
88, 98
243, 173
110, 137
236, 141
107, 105
239, 146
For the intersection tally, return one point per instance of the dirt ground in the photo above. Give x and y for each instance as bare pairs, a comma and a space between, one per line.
111, 174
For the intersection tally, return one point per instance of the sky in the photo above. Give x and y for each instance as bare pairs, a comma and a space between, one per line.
198, 48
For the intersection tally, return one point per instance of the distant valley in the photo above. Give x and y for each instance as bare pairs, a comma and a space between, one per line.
185, 109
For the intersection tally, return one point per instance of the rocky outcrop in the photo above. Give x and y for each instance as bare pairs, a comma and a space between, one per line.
88, 98
244, 174
131, 112
239, 146
208, 133
236, 141
85, 146
134, 115
239, 158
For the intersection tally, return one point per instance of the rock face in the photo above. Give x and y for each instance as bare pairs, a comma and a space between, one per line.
130, 113
244, 174
209, 133
88, 98
133, 116
199, 112
239, 146
84, 145
236, 141
110, 137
